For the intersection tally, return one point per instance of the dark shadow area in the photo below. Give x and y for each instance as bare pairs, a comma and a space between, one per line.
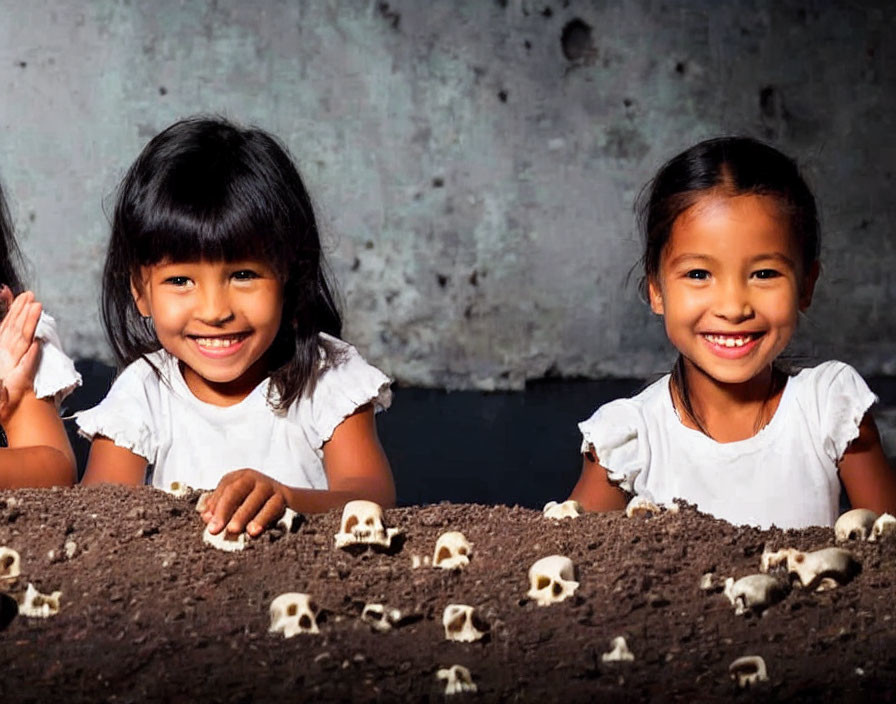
511, 447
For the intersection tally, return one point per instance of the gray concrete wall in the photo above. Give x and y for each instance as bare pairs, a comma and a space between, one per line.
474, 163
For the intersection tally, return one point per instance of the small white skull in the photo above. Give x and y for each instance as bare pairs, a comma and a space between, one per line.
854, 525
642, 507
287, 522
551, 580
362, 524
228, 542
819, 570
458, 680
37, 605
568, 509
754, 592
458, 622
10, 564
178, 489
619, 651
379, 618
452, 551
748, 670
293, 613
883, 525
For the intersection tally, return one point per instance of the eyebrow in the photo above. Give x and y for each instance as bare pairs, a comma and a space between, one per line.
765, 256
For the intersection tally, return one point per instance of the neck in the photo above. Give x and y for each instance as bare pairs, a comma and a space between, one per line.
726, 412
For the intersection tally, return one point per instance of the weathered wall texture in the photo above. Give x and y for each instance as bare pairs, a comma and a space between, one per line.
474, 163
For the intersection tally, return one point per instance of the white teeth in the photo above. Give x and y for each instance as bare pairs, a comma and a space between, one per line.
728, 341
215, 341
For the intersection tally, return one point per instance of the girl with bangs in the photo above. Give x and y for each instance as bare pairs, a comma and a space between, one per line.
217, 306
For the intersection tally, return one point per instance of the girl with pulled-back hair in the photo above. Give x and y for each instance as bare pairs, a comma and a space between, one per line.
217, 304
731, 258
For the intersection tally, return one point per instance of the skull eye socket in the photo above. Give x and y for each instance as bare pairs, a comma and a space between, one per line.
557, 589
292, 610
461, 550
7, 562
369, 521
351, 523
305, 621
542, 583
457, 623
444, 554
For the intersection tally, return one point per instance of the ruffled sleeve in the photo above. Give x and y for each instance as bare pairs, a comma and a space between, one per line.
124, 416
617, 435
342, 390
56, 375
843, 398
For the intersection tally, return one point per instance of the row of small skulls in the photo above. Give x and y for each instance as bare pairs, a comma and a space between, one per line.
32, 603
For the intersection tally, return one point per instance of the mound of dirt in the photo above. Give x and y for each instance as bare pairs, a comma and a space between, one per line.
148, 612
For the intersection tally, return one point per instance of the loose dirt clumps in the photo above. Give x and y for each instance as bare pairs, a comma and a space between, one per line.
151, 613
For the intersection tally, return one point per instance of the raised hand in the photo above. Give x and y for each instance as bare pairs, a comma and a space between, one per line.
19, 351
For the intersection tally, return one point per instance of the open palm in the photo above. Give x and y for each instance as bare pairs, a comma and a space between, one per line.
19, 351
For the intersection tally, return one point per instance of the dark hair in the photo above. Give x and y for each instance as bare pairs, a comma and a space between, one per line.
205, 188
731, 166
10, 256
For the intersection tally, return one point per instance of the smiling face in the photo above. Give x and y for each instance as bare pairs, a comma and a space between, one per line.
730, 285
218, 318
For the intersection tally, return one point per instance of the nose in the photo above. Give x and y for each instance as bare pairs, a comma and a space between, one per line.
732, 302
214, 307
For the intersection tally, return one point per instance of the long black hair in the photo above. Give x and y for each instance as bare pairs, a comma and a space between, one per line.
10, 256
207, 189
732, 166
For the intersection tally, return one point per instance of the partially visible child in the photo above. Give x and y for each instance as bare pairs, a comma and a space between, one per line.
35, 376
215, 299
731, 259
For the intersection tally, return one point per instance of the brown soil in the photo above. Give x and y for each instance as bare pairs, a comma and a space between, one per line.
150, 613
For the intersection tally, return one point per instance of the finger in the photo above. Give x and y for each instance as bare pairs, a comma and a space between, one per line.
230, 497
249, 508
31, 316
28, 363
270, 512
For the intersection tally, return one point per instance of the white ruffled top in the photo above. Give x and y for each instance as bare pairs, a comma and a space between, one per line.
785, 475
183, 439
56, 376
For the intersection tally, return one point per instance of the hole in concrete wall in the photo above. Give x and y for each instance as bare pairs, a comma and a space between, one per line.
392, 16
576, 39
22, 64
163, 90
547, 12
474, 278
438, 182
502, 95
442, 279
527, 44
768, 102
681, 68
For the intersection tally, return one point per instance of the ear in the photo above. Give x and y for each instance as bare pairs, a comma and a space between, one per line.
655, 294
138, 291
808, 285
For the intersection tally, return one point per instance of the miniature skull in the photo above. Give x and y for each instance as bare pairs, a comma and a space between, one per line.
287, 522
755, 592
458, 622
453, 550
883, 525
642, 507
568, 509
748, 670
178, 489
10, 564
362, 524
854, 525
293, 613
37, 605
619, 652
819, 570
379, 618
551, 580
458, 679
228, 542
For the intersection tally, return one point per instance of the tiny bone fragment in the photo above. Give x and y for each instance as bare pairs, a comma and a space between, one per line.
755, 592
619, 651
642, 507
559, 511
178, 489
458, 680
748, 670
882, 526
10, 564
228, 542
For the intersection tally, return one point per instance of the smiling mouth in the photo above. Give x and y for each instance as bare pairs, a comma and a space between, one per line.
738, 340
220, 342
